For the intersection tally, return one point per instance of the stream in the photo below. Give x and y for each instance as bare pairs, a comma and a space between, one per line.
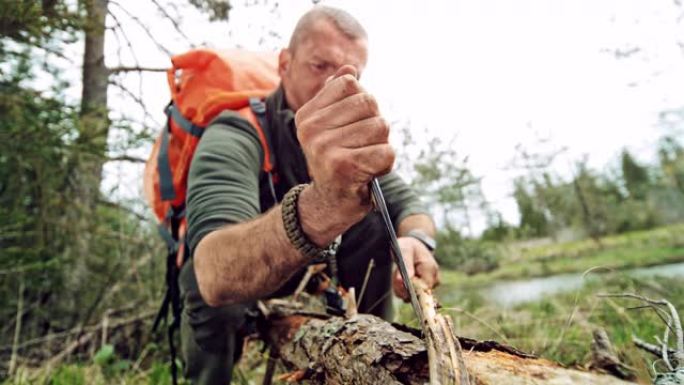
511, 293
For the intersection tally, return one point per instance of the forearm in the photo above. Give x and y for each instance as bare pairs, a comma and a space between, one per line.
421, 222
244, 261
251, 260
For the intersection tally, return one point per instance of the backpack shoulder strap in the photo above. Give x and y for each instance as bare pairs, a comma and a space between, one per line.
255, 114
258, 107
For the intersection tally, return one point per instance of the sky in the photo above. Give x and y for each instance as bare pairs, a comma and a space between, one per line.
483, 76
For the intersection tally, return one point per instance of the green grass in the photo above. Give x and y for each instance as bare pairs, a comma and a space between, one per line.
560, 327
95, 374
637, 249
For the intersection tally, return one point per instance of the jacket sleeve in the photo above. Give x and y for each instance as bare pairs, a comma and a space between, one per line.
402, 201
223, 181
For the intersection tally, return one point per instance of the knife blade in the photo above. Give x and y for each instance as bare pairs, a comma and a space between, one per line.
381, 206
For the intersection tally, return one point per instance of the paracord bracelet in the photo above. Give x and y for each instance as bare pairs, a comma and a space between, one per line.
293, 227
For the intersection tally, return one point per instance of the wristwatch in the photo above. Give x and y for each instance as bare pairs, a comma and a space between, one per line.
425, 239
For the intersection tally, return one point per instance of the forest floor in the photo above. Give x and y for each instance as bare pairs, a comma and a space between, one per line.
557, 326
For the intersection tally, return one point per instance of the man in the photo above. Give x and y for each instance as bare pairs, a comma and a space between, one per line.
329, 141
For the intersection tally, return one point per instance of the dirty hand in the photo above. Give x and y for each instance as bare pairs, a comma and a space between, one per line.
419, 263
345, 141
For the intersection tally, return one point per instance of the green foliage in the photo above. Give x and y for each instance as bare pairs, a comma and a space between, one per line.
467, 255
43, 228
105, 355
446, 182
498, 230
596, 204
533, 221
31, 23
159, 374
635, 176
69, 375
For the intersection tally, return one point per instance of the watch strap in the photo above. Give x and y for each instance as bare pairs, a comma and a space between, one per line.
425, 239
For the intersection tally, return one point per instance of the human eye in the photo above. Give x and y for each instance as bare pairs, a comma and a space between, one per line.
319, 67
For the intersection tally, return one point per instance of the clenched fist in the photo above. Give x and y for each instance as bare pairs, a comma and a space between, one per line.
345, 141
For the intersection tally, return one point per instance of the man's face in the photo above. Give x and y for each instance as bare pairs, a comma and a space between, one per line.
318, 55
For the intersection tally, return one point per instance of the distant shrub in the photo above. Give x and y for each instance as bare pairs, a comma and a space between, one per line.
467, 255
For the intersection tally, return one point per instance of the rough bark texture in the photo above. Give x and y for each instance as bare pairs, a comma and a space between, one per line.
364, 349
94, 121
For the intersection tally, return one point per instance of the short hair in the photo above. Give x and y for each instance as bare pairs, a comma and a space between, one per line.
342, 20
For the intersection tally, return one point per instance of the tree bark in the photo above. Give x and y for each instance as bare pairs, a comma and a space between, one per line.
365, 349
86, 161
94, 120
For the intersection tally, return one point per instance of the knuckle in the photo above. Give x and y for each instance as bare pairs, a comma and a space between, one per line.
369, 103
303, 134
315, 148
349, 84
387, 153
382, 127
338, 162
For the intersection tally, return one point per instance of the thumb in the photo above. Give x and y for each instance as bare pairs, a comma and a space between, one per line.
346, 69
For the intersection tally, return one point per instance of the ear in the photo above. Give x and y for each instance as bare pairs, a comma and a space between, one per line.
284, 60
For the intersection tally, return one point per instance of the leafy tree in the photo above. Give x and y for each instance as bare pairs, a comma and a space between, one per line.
533, 221
635, 176
497, 229
671, 155
67, 255
444, 179
469, 255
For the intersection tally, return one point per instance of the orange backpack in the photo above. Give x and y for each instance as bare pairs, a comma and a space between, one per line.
203, 83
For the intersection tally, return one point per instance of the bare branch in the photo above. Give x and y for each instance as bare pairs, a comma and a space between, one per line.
17, 327
173, 21
133, 96
143, 26
57, 53
123, 208
663, 355
369, 269
116, 70
648, 347
673, 323
119, 29
88, 329
126, 158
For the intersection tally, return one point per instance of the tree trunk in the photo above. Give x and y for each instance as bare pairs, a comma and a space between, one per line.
364, 349
94, 121
86, 162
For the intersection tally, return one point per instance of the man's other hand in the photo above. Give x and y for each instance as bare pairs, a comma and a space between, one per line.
419, 263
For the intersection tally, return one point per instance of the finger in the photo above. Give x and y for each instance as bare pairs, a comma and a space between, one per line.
359, 165
346, 69
343, 84
428, 270
366, 132
399, 288
374, 160
351, 109
408, 258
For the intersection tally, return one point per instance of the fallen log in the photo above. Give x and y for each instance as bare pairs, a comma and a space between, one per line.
364, 349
